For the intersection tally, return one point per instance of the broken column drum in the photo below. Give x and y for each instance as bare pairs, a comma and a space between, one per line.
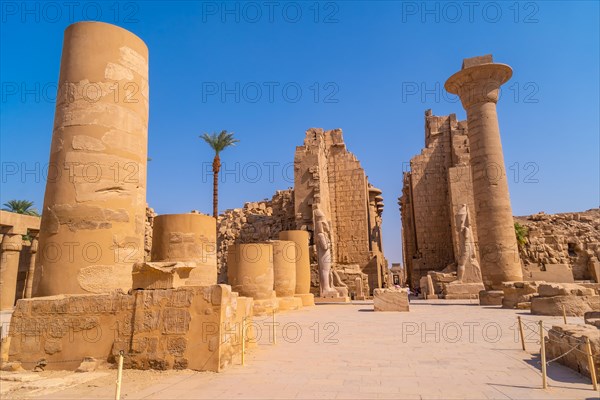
300, 238
250, 270
284, 267
477, 85
92, 228
188, 238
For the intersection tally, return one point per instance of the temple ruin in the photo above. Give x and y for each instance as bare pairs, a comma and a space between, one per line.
101, 276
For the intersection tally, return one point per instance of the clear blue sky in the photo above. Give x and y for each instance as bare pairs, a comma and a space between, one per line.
364, 67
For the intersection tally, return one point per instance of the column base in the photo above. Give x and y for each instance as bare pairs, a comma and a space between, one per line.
325, 300
265, 307
308, 299
5, 317
289, 303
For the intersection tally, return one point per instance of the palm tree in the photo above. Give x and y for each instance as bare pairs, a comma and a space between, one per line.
218, 142
21, 207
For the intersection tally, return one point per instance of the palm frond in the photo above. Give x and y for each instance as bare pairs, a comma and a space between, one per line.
20, 207
219, 141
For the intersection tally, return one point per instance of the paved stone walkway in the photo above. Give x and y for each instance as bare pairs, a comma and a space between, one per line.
440, 350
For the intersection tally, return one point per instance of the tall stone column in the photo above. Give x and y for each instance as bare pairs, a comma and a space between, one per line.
477, 85
92, 228
9, 267
32, 256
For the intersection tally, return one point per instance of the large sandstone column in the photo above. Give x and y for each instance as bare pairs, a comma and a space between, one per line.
250, 270
478, 85
92, 227
284, 271
250, 273
187, 237
284, 267
301, 238
9, 267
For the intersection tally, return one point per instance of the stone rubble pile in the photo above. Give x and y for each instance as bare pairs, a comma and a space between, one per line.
570, 238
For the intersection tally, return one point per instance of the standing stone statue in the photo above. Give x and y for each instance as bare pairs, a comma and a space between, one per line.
468, 270
323, 243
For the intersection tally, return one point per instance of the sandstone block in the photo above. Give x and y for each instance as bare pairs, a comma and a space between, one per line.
592, 318
161, 275
573, 305
564, 289
390, 300
462, 290
155, 329
491, 297
562, 338
518, 292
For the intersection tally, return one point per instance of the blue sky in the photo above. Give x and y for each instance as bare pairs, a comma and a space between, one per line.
269, 71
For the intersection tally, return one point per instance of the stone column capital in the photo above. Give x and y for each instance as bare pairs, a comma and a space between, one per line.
479, 83
12, 242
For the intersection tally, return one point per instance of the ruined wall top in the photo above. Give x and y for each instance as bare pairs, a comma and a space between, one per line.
319, 136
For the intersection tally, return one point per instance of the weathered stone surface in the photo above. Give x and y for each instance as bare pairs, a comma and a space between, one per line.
562, 339
289, 303
300, 239
390, 299
571, 239
553, 273
518, 292
462, 290
162, 275
438, 182
284, 267
328, 175
260, 222
491, 297
10, 249
188, 327
94, 207
564, 289
12, 367
592, 318
573, 305
187, 237
250, 273
478, 85
307, 299
89, 364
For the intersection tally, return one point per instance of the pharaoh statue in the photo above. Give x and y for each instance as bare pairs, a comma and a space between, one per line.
468, 269
323, 243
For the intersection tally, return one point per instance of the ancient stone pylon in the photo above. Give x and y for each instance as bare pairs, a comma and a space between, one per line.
93, 217
477, 85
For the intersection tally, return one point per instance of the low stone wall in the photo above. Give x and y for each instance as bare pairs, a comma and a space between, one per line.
195, 327
562, 338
